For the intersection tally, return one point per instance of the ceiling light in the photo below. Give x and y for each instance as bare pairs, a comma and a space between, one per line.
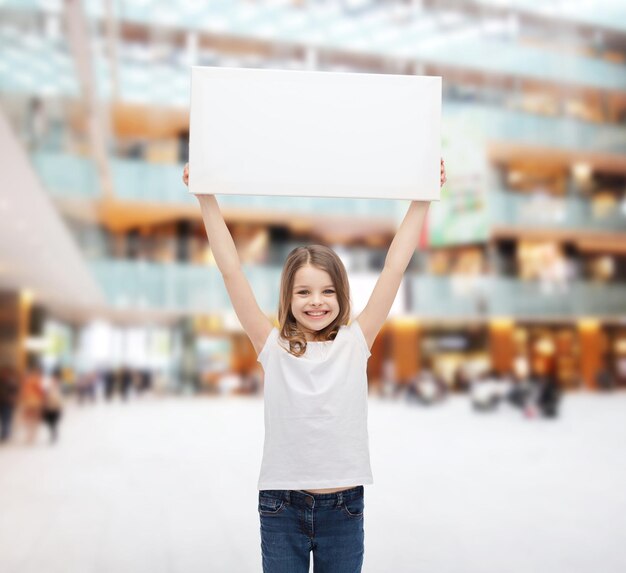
27, 295
581, 171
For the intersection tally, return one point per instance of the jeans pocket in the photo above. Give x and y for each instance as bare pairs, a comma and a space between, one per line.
269, 505
354, 507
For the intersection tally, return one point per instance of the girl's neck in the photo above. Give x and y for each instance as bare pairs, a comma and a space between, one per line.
309, 338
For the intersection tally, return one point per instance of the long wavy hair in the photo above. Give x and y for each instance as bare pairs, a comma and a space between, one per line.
324, 259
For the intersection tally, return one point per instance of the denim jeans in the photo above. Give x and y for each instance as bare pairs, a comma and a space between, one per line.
295, 523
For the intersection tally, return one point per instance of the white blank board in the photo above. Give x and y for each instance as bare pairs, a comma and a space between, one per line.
320, 134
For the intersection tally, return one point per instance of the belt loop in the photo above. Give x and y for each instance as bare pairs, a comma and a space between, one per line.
339, 498
288, 497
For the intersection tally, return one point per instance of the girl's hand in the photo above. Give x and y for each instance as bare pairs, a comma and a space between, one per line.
186, 174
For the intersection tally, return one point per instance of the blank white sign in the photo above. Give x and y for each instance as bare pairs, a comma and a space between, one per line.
320, 134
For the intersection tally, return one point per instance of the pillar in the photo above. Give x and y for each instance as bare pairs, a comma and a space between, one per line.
405, 348
591, 350
501, 345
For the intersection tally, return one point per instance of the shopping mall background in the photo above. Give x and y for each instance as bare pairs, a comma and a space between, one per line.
108, 282
105, 262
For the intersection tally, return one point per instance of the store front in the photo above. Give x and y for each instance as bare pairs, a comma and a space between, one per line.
455, 354
615, 356
546, 349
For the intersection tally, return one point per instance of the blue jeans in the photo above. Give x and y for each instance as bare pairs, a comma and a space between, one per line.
294, 523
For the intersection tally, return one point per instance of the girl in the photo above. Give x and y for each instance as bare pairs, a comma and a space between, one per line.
316, 452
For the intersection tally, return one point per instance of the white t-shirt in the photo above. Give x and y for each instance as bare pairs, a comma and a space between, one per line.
316, 413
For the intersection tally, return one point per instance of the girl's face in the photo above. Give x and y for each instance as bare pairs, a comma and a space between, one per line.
313, 300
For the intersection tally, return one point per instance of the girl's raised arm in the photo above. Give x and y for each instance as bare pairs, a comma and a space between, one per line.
400, 252
252, 318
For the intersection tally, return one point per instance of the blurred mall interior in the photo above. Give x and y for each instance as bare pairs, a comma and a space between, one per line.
105, 269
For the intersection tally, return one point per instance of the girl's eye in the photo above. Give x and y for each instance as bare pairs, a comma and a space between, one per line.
305, 291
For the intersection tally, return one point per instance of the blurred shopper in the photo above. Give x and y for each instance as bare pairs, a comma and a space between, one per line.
144, 381
519, 392
312, 498
620, 370
549, 396
462, 378
389, 384
86, 387
486, 392
539, 396
426, 388
52, 407
251, 382
126, 382
533, 389
31, 403
160, 383
37, 124
491, 390
9, 394
183, 146
110, 379
604, 378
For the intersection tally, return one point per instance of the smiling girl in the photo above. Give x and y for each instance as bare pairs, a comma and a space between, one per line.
316, 450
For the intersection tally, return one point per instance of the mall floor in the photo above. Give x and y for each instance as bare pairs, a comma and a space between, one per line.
166, 485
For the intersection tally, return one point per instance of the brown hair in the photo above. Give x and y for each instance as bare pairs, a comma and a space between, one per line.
327, 260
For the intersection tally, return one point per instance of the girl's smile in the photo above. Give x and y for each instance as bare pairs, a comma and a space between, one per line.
316, 315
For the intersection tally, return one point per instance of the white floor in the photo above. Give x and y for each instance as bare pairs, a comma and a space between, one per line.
169, 485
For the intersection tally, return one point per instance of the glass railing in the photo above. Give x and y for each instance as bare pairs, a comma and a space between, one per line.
168, 83
178, 287
446, 296
424, 36
498, 124
482, 297
609, 14
511, 209
137, 180
537, 299
192, 288
511, 126
76, 177
67, 176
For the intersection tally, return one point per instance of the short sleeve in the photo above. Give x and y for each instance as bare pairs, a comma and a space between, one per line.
265, 351
355, 327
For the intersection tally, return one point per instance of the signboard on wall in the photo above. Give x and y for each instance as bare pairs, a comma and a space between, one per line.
318, 134
461, 217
